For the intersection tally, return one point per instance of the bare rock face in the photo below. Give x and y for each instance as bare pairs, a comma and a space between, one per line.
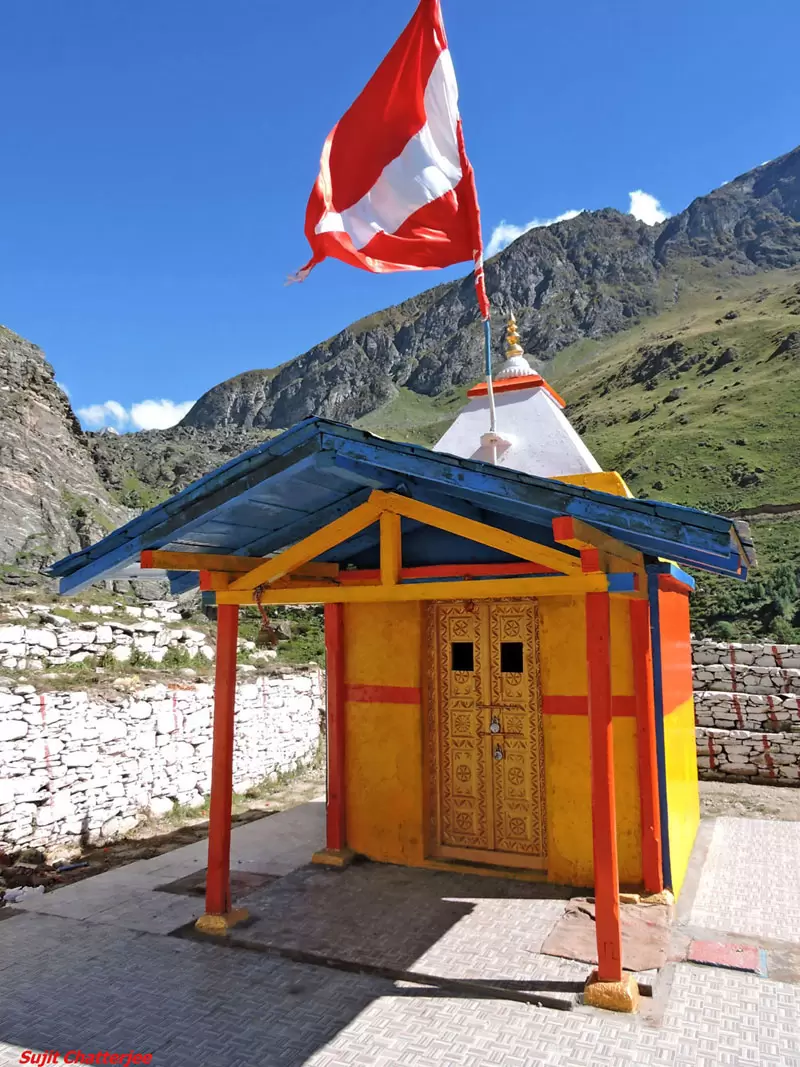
590, 276
587, 277
752, 220
51, 499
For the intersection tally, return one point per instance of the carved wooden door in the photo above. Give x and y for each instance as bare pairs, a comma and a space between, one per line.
487, 762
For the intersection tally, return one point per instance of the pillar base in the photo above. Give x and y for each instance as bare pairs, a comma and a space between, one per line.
219, 925
613, 996
334, 857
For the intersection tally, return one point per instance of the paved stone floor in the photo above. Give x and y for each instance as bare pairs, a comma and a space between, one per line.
433, 924
758, 894
99, 982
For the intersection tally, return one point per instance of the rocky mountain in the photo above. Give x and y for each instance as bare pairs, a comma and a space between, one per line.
53, 500
575, 288
141, 469
588, 277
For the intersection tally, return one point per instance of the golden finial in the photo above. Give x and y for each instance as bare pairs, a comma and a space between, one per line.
513, 347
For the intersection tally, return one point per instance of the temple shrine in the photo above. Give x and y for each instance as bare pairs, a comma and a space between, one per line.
507, 634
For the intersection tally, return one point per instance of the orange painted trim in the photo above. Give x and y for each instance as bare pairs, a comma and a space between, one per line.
604, 813
218, 877
383, 694
622, 707
564, 532
642, 654
668, 584
451, 570
336, 810
512, 385
146, 558
590, 560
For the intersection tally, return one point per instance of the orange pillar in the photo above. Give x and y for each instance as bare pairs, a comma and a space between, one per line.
604, 818
218, 877
336, 829
652, 875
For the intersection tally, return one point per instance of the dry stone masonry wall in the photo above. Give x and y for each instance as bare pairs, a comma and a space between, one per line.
37, 639
747, 711
80, 766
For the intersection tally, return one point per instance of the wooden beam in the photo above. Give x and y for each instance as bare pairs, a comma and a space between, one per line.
209, 561
218, 887
215, 581
642, 654
391, 548
476, 531
603, 812
316, 543
574, 533
572, 585
450, 570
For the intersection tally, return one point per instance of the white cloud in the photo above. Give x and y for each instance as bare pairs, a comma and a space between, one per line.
646, 208
507, 232
95, 416
158, 414
146, 415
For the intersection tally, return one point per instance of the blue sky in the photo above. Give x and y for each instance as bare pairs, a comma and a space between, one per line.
157, 158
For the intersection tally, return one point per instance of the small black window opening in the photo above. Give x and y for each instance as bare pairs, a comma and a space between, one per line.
511, 657
462, 656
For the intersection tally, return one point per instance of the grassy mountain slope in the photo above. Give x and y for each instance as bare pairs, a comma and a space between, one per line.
699, 405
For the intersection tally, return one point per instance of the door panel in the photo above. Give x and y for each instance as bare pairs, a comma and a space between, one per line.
518, 777
487, 762
465, 786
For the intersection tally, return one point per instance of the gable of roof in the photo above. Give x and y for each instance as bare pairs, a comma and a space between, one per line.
293, 484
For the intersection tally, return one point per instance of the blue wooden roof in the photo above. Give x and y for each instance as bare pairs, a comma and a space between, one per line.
283, 490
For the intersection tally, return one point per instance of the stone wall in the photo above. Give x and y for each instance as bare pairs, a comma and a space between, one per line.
747, 711
33, 638
88, 766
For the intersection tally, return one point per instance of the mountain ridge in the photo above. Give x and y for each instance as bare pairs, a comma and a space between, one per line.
589, 276
575, 287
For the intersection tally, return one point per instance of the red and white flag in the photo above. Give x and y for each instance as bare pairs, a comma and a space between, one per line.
395, 189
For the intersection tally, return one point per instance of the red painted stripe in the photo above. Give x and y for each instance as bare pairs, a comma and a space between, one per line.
770, 762
510, 385
383, 694
450, 570
622, 707
771, 713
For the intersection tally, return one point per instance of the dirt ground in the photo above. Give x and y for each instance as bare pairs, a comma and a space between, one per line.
745, 800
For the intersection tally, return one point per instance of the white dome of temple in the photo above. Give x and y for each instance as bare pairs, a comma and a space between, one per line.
533, 433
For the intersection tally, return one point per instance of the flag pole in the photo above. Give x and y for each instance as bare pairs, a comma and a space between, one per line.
487, 340
483, 304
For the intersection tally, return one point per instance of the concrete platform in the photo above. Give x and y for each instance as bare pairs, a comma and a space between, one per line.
107, 981
420, 924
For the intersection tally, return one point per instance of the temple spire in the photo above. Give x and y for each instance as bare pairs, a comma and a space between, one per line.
516, 365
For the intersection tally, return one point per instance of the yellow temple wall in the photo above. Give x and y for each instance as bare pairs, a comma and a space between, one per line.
564, 680
384, 736
383, 731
